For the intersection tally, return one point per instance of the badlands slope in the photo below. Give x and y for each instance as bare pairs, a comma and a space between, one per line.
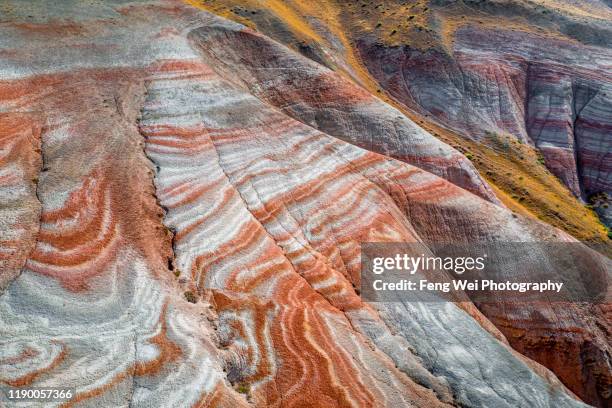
182, 201
495, 79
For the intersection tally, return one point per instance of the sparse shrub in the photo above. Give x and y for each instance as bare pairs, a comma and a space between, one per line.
191, 298
599, 199
243, 388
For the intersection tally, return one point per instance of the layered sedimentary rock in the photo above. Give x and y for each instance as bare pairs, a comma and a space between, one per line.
192, 240
546, 85
480, 75
325, 100
94, 306
20, 164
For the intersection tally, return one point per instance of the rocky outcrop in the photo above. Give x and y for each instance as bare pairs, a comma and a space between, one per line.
95, 307
547, 89
504, 82
325, 100
461, 75
198, 242
20, 164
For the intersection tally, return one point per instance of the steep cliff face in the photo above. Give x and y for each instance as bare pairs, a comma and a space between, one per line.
554, 93
184, 219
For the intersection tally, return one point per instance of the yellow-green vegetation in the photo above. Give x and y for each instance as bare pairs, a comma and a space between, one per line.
245, 12
524, 184
226, 9
295, 17
191, 298
393, 24
516, 171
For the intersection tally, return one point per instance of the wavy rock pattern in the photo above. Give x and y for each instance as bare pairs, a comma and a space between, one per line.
19, 167
547, 89
156, 164
325, 100
294, 257
92, 308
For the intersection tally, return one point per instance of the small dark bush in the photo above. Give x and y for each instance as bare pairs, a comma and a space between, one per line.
191, 298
